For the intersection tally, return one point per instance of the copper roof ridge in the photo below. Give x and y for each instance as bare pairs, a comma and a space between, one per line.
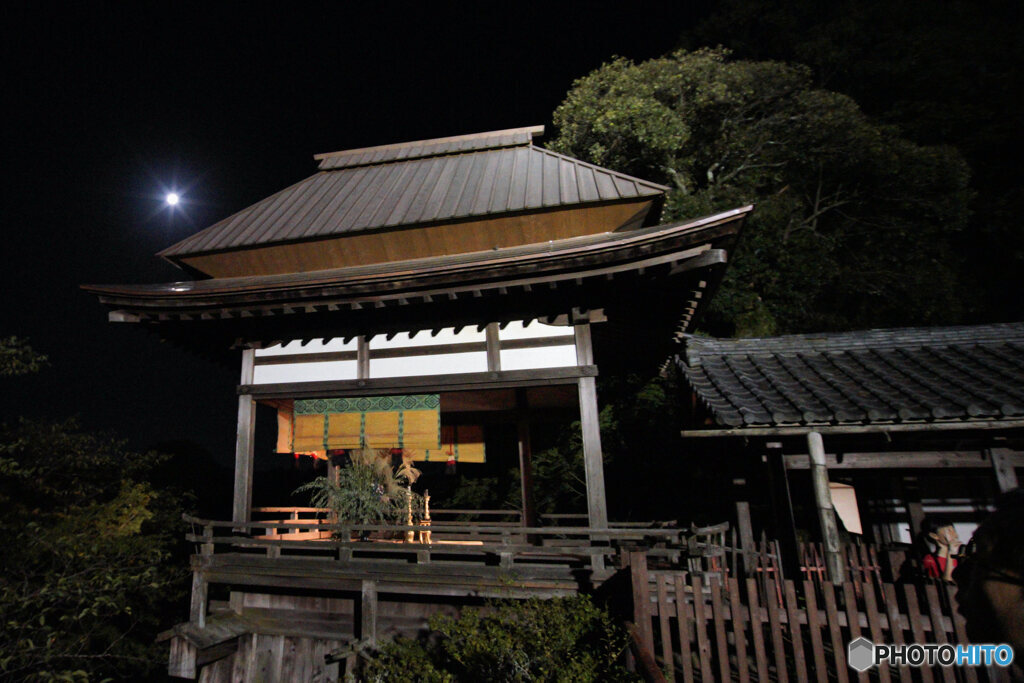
533, 131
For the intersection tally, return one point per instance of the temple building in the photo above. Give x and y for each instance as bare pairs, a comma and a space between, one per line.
392, 301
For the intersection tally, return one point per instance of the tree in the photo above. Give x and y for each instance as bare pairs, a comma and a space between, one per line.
84, 573
854, 224
943, 71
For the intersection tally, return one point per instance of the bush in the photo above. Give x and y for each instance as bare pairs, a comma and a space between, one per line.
565, 639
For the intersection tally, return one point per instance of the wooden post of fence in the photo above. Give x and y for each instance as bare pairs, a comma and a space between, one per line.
641, 599
826, 514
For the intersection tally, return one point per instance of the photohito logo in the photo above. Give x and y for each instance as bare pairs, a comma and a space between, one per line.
862, 654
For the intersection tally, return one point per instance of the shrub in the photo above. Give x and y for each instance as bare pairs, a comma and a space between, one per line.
564, 639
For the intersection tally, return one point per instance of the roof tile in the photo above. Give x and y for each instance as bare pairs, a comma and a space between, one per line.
871, 376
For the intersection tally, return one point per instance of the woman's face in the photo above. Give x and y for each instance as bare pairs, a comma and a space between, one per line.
946, 536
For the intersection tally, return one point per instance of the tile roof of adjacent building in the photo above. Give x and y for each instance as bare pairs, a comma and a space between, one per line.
415, 183
941, 374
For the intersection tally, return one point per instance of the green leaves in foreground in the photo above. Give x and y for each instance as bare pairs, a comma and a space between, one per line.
564, 639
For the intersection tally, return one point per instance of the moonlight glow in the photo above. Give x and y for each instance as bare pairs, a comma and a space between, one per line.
172, 198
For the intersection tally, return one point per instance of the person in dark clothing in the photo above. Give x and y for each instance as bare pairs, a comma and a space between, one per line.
990, 579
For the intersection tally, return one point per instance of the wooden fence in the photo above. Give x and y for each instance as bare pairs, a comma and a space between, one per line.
769, 629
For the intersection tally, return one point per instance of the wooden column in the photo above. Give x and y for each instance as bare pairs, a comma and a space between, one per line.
597, 507
747, 544
493, 348
368, 613
826, 513
242, 502
197, 606
525, 457
1002, 467
782, 505
362, 358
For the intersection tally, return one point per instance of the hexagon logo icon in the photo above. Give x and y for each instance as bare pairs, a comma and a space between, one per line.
860, 654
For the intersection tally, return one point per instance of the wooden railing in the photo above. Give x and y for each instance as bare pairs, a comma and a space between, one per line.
505, 545
751, 630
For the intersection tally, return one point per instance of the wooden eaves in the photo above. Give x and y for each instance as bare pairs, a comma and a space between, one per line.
544, 280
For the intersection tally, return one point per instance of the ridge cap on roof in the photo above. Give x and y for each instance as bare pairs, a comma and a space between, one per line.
533, 132
875, 338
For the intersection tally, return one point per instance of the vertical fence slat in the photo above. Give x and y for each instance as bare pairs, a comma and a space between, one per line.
738, 632
892, 609
721, 644
756, 632
700, 628
666, 632
938, 630
852, 618
793, 615
875, 625
836, 636
960, 631
814, 629
778, 646
683, 626
917, 627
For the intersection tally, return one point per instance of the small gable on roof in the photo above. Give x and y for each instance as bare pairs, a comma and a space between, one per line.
421, 199
942, 374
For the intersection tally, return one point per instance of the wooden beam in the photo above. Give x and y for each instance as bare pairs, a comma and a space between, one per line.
826, 513
244, 438
409, 351
427, 383
905, 460
1003, 462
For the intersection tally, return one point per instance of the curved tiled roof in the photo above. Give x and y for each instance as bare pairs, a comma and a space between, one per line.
943, 374
430, 181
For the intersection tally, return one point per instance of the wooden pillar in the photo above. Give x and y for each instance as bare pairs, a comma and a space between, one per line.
1002, 467
826, 513
242, 502
362, 358
197, 606
782, 505
597, 508
493, 348
525, 458
368, 613
747, 544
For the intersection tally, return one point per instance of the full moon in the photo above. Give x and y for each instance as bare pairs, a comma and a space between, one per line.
172, 199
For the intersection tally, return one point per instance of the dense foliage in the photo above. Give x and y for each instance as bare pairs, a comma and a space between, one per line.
854, 225
565, 639
943, 71
84, 572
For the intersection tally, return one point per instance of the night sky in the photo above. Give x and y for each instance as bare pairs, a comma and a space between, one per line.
109, 106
